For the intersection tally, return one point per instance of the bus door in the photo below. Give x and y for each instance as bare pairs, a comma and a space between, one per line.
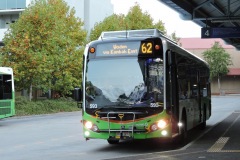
174, 102
197, 109
199, 97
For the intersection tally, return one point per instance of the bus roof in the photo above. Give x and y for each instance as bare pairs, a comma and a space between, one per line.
6, 70
145, 33
133, 33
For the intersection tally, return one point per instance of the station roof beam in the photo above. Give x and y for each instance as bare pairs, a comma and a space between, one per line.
223, 14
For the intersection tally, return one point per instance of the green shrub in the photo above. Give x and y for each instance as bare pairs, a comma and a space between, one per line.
47, 106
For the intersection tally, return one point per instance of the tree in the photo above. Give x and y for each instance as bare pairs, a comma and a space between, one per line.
44, 47
110, 23
218, 60
175, 38
135, 19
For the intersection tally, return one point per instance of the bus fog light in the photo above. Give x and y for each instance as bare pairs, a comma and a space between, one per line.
164, 132
87, 133
162, 124
88, 125
154, 127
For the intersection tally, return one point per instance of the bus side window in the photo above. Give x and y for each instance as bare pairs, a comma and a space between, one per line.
7, 87
182, 89
204, 85
193, 84
182, 83
188, 89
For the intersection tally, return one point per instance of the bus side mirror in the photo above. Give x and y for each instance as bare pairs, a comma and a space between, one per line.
77, 94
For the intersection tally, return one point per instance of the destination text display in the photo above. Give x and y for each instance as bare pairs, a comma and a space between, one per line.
118, 49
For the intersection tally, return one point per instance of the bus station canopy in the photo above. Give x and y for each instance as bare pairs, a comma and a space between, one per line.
218, 18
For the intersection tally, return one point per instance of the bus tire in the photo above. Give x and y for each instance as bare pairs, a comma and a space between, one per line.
113, 141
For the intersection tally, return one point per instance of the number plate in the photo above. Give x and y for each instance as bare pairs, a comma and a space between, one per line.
124, 134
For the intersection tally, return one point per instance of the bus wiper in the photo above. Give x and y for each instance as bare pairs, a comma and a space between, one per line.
113, 107
121, 106
100, 108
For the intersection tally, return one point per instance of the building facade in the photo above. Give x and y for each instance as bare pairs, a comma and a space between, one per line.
90, 11
9, 13
230, 83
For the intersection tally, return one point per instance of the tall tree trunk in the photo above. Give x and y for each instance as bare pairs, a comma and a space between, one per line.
219, 85
49, 94
30, 93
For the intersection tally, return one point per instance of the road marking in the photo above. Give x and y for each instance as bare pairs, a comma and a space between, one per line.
218, 146
221, 142
237, 111
231, 125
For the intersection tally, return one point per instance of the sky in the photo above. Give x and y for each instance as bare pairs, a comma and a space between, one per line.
159, 11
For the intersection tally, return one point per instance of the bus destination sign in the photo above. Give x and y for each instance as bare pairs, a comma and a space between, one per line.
118, 49
124, 48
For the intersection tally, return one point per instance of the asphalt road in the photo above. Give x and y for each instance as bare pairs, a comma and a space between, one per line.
59, 136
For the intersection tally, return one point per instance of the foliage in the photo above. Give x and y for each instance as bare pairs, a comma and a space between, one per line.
218, 60
160, 26
1, 64
175, 38
25, 107
135, 19
111, 23
44, 47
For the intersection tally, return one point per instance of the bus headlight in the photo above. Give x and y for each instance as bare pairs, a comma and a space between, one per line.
154, 127
88, 125
91, 126
162, 124
94, 128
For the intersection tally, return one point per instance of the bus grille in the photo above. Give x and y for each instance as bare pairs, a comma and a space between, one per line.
121, 116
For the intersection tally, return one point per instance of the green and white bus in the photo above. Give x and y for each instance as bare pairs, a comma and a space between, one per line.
7, 94
138, 84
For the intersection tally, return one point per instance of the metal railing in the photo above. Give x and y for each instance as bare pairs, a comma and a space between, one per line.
121, 130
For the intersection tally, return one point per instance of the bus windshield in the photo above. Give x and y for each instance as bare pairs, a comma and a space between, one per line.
5, 87
124, 82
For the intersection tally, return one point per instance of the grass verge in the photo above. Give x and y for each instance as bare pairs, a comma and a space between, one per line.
25, 107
